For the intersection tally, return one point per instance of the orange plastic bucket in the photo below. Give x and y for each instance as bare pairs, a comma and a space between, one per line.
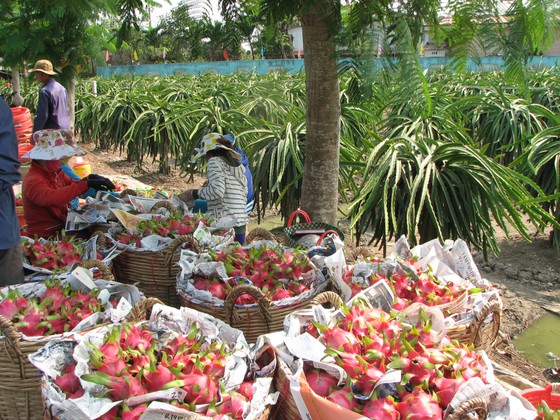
23, 148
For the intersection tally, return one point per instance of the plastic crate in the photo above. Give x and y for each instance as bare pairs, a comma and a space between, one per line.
536, 396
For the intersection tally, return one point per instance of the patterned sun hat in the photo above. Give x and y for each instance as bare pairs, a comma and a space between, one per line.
53, 144
210, 142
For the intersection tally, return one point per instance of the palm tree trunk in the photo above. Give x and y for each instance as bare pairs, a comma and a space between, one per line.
319, 196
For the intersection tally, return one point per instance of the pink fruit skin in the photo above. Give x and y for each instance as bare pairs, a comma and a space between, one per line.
343, 397
382, 409
320, 382
246, 389
418, 405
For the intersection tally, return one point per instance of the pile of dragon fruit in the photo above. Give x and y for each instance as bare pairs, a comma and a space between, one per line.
415, 285
176, 224
275, 271
367, 343
60, 309
53, 254
133, 361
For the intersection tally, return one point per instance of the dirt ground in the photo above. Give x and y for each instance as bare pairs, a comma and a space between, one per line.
527, 274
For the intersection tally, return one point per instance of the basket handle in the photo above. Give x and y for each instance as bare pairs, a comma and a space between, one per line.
328, 297
127, 192
175, 243
251, 290
163, 204
478, 405
107, 274
360, 251
259, 232
140, 310
12, 335
102, 239
295, 213
324, 235
494, 308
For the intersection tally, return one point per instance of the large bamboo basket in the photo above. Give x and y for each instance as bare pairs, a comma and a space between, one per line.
481, 333
20, 387
253, 320
154, 273
20, 392
286, 408
140, 312
455, 306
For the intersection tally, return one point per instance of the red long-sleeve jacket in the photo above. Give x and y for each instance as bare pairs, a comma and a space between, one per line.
45, 200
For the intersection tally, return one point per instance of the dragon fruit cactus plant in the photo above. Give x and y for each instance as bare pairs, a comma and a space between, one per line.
366, 343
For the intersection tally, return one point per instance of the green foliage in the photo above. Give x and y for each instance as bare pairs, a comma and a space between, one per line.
425, 189
405, 168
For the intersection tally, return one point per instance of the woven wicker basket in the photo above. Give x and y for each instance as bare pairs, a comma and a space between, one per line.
154, 273
259, 233
295, 232
476, 408
254, 320
20, 387
140, 312
20, 393
483, 332
286, 409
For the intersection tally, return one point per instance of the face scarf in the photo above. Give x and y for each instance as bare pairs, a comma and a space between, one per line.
53, 166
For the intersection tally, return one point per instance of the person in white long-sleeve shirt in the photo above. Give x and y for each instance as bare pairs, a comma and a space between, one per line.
226, 188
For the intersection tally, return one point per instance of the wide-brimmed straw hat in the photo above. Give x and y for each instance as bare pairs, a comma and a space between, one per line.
53, 144
210, 142
44, 66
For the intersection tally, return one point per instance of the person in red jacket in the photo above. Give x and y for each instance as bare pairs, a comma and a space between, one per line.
47, 190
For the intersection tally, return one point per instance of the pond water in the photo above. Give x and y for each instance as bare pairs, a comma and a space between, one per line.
541, 341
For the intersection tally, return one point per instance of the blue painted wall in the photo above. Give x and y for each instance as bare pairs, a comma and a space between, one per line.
288, 66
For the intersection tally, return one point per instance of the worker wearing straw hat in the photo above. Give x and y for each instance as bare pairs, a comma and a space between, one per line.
46, 189
226, 189
52, 107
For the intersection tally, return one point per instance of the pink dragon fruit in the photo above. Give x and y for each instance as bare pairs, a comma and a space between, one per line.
419, 405
320, 381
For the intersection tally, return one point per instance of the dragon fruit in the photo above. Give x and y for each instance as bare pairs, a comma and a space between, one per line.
277, 272
321, 382
344, 398
419, 405
381, 343
149, 364
380, 409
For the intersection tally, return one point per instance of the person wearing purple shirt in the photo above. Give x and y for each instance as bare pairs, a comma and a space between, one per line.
52, 108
